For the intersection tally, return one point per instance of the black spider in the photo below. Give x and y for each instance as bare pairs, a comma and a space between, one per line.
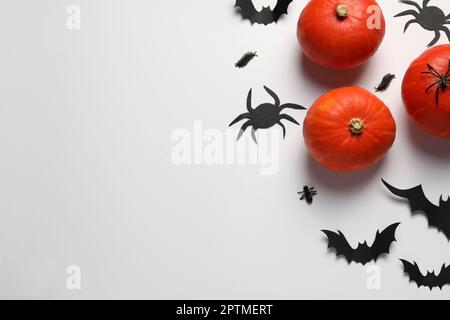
430, 18
442, 81
265, 115
307, 194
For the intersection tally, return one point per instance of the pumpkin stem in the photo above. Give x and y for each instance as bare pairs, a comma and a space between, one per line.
356, 126
341, 11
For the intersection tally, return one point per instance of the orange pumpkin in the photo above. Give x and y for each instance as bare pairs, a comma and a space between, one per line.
348, 129
340, 33
425, 95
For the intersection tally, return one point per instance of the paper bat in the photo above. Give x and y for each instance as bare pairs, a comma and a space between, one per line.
430, 280
266, 15
438, 216
363, 253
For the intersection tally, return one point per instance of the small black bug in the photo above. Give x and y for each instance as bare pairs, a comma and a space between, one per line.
246, 58
307, 194
385, 82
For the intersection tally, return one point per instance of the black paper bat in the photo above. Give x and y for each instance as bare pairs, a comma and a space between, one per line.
266, 15
438, 216
430, 280
363, 253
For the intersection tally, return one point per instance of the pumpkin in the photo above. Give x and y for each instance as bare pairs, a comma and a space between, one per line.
340, 33
425, 93
348, 129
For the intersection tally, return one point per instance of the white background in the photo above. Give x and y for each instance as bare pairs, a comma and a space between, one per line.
86, 176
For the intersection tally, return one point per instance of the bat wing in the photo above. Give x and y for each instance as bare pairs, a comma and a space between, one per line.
413, 272
436, 215
248, 10
281, 8
444, 276
431, 280
383, 241
338, 242
416, 197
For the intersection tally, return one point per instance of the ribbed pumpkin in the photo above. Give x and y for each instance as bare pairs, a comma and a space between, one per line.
340, 33
348, 129
428, 107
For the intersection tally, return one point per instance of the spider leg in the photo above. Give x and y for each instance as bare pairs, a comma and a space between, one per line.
425, 3
448, 70
249, 101
289, 118
409, 23
428, 89
283, 127
437, 94
434, 72
303, 197
411, 3
436, 39
292, 106
254, 134
273, 95
240, 117
428, 72
407, 12
446, 31
243, 128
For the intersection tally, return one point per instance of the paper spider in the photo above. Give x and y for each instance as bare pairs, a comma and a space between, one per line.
430, 18
442, 81
265, 115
